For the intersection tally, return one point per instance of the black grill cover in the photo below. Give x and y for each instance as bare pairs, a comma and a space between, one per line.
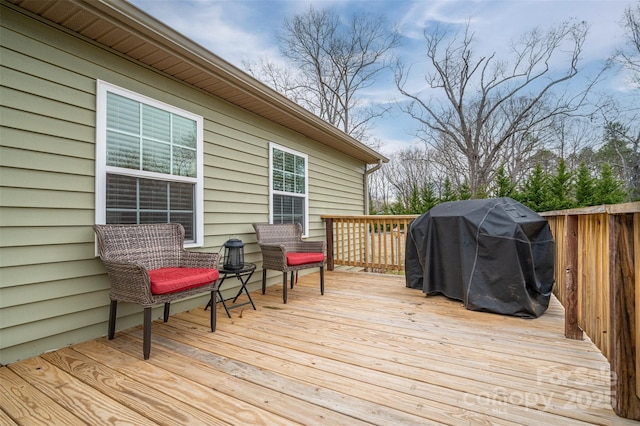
495, 255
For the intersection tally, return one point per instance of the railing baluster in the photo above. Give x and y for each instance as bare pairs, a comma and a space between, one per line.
601, 250
370, 242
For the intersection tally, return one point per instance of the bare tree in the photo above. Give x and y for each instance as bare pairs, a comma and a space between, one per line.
333, 62
630, 57
569, 136
482, 112
622, 119
409, 168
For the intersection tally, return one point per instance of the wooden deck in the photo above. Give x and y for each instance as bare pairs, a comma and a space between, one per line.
370, 351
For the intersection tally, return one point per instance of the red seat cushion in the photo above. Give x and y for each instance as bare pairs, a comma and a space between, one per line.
294, 259
170, 280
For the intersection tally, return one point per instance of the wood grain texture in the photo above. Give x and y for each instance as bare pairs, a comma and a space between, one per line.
623, 334
370, 351
21, 402
571, 328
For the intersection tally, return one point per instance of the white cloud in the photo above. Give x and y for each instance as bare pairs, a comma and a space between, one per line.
390, 146
239, 30
229, 29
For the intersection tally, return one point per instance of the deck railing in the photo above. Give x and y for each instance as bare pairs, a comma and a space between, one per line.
598, 282
376, 243
597, 277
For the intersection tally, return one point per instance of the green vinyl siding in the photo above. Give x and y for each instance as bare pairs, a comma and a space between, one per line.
25, 217
47, 144
22, 295
42, 198
42, 179
53, 290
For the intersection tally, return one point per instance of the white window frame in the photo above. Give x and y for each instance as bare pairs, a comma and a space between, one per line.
273, 146
101, 157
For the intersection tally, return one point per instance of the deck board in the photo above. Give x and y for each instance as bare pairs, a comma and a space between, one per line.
370, 351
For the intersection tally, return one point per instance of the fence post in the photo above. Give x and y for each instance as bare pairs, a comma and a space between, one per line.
636, 262
329, 236
622, 335
571, 328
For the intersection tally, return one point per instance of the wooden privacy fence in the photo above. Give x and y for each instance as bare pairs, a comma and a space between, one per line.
376, 243
598, 282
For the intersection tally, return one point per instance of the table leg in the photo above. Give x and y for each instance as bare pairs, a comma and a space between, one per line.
216, 295
224, 304
244, 288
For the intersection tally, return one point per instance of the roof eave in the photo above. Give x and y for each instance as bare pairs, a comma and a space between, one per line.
231, 84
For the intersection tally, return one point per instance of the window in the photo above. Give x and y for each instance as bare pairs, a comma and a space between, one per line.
288, 195
148, 162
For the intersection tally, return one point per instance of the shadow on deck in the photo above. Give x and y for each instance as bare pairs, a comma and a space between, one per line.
370, 351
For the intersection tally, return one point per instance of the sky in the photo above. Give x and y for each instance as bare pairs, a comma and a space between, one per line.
244, 30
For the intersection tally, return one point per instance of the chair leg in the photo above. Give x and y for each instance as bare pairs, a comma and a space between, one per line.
166, 311
146, 336
213, 312
284, 287
292, 278
264, 281
112, 319
322, 280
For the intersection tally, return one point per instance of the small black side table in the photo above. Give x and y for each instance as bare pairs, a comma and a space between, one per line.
244, 275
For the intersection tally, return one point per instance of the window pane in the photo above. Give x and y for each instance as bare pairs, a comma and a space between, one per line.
184, 132
277, 209
289, 182
181, 196
297, 215
156, 157
122, 218
288, 172
168, 141
300, 166
123, 150
154, 217
121, 192
186, 219
153, 195
286, 206
288, 209
156, 123
278, 159
278, 180
299, 185
137, 200
289, 163
184, 162
123, 115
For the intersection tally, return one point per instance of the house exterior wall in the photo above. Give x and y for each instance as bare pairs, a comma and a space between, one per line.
53, 290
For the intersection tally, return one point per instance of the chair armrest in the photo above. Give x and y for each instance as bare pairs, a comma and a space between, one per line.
274, 256
129, 282
308, 247
273, 250
196, 259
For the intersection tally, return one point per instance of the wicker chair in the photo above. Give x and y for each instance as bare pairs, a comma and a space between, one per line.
283, 250
148, 265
